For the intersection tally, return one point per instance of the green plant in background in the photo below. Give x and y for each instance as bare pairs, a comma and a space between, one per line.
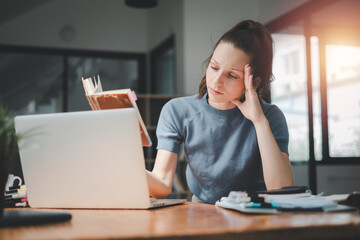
8, 147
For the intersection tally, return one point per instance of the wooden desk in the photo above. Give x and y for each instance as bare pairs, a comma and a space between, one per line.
192, 221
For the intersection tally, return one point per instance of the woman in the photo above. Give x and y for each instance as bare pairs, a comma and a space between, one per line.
233, 140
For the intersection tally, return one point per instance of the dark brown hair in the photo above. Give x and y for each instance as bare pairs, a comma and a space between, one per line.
255, 40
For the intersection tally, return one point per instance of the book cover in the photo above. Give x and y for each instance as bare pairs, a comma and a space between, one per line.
120, 98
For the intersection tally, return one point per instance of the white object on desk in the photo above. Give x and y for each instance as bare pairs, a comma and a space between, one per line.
302, 202
11, 180
280, 204
337, 197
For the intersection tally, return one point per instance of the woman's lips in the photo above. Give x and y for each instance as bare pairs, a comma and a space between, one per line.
215, 92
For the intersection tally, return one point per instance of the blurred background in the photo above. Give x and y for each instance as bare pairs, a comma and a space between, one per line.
157, 48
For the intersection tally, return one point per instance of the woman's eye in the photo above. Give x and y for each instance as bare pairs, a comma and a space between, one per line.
213, 68
232, 76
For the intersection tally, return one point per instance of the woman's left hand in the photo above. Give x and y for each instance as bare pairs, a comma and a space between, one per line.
251, 107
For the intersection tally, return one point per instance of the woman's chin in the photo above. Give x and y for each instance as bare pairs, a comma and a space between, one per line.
222, 104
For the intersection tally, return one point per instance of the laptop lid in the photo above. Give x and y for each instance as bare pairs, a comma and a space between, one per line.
89, 159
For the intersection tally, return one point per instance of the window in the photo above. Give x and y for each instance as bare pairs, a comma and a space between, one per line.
114, 74
31, 82
343, 100
163, 67
289, 93
38, 80
317, 80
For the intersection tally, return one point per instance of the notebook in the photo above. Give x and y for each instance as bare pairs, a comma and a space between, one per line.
86, 159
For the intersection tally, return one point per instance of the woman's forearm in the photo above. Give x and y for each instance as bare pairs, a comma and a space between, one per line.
158, 188
276, 165
161, 178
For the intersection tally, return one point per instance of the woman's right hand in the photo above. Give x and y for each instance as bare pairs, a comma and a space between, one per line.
251, 107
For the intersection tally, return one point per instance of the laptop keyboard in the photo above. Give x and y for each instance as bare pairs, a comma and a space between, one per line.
159, 202
165, 202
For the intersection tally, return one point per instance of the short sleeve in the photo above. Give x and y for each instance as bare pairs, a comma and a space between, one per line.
279, 128
168, 130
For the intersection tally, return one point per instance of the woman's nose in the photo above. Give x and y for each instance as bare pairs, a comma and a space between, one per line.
219, 78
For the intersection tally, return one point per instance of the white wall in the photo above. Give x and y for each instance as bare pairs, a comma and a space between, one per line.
204, 22
100, 25
269, 10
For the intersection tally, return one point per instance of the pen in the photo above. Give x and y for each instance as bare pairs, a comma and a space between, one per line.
299, 209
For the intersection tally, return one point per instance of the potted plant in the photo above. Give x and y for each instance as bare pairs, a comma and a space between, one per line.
8, 147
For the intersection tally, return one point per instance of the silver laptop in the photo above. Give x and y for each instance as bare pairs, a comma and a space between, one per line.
89, 159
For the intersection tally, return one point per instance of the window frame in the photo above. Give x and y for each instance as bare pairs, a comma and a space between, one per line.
155, 53
66, 53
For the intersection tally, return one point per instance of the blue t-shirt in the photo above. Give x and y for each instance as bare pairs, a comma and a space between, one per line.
220, 146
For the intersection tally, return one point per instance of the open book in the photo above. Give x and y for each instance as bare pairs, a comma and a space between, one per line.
121, 98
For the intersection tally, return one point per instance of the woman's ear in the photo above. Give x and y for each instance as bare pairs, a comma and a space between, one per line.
256, 82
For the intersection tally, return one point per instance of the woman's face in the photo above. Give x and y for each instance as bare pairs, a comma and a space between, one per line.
225, 75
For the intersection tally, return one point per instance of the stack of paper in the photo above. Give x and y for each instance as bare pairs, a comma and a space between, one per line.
311, 201
274, 204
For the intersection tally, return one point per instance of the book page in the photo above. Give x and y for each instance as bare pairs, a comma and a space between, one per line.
92, 85
113, 100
